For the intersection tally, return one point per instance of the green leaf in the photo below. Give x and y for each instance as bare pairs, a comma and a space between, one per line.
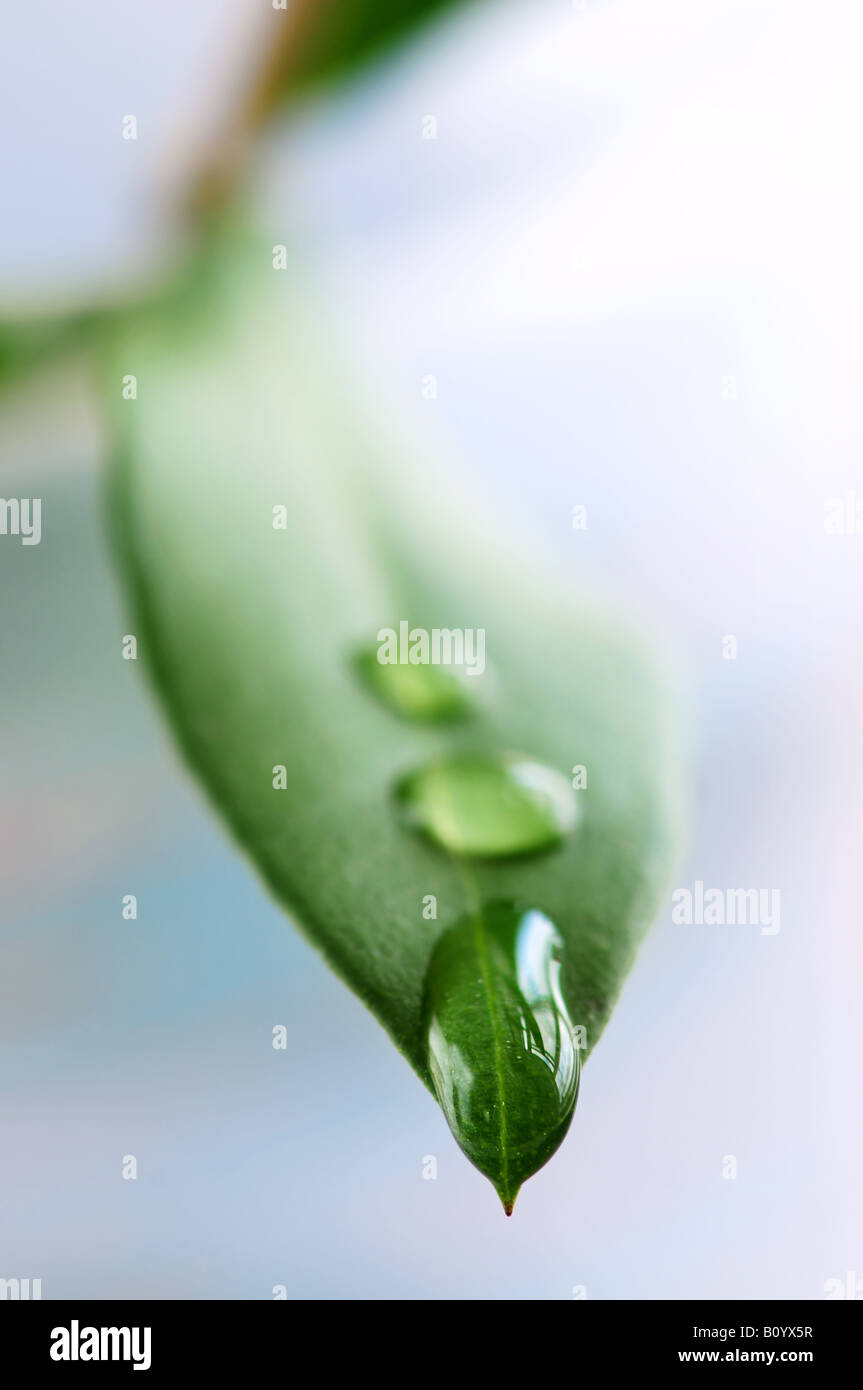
337, 37
30, 343
244, 419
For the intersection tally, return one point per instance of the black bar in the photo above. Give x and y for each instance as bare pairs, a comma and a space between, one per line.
218, 1339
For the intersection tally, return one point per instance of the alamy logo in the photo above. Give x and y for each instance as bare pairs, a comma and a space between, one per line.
843, 516
849, 1287
76, 1343
440, 646
721, 907
21, 516
20, 1289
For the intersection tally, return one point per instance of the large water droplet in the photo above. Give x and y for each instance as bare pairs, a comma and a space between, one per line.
501, 1047
486, 807
427, 693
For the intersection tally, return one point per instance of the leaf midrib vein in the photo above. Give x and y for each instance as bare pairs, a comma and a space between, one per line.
481, 942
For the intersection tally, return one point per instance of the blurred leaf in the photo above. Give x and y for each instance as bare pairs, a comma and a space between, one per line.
252, 633
29, 343
340, 35
331, 37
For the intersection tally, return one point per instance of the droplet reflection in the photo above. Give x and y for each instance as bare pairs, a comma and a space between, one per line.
501, 1045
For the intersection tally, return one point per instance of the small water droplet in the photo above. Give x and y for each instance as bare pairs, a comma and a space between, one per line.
427, 693
487, 807
501, 1046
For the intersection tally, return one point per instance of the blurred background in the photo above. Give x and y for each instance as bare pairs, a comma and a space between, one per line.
630, 261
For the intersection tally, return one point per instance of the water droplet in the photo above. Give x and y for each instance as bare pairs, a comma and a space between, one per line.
430, 694
486, 807
501, 1047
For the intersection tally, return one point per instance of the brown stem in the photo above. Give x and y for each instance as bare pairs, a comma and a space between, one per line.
281, 49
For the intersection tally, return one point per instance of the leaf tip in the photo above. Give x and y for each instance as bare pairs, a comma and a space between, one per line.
508, 1199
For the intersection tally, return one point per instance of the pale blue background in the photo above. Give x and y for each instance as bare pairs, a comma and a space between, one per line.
624, 205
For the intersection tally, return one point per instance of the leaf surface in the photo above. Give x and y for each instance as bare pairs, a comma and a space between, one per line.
251, 631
